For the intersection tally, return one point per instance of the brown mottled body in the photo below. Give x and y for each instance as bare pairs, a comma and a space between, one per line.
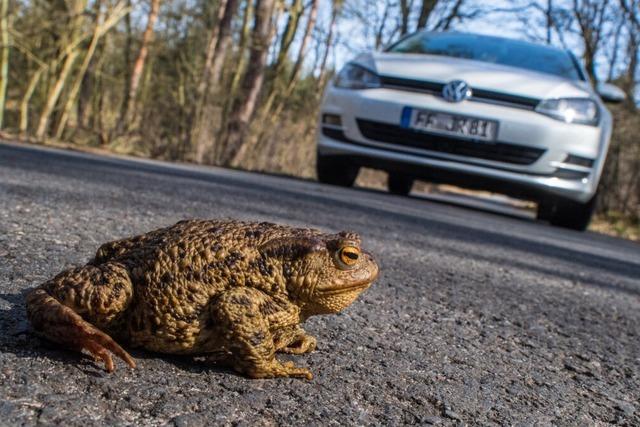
232, 289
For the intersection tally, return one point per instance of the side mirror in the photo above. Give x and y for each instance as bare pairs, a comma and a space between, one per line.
610, 93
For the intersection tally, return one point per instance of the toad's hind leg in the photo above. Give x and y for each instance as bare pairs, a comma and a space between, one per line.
70, 308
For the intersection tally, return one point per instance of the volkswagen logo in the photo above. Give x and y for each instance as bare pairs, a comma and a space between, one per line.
456, 91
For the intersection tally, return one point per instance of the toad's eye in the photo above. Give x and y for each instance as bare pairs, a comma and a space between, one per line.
349, 255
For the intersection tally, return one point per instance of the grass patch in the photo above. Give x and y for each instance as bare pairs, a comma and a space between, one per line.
618, 225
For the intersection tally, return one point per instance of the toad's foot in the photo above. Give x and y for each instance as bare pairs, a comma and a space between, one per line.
304, 344
100, 346
61, 324
274, 369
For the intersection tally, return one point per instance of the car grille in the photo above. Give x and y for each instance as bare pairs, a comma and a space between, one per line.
498, 151
480, 95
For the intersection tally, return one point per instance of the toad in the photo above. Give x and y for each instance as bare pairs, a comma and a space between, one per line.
236, 292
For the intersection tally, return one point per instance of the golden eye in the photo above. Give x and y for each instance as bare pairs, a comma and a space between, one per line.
349, 255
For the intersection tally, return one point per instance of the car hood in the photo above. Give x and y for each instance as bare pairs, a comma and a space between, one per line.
479, 75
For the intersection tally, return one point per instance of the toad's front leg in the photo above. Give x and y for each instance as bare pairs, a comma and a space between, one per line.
245, 332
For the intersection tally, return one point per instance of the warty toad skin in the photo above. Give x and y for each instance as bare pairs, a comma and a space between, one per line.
234, 291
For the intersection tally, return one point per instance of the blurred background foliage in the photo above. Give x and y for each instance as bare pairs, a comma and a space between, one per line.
238, 82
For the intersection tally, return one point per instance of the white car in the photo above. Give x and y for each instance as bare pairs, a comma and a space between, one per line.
477, 111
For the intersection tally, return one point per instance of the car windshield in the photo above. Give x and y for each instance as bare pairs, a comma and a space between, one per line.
495, 50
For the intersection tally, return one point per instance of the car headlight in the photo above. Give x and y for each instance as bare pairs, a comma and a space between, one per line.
571, 110
353, 76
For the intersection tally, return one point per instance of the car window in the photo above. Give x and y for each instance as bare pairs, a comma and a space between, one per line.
495, 50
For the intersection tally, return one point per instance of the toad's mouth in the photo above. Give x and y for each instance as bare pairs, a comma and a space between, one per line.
333, 290
340, 287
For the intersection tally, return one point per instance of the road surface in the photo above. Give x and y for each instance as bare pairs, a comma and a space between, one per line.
477, 317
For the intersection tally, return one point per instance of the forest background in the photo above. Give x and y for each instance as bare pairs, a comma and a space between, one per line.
238, 82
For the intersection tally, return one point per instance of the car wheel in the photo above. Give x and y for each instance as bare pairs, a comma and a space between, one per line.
399, 184
567, 213
336, 170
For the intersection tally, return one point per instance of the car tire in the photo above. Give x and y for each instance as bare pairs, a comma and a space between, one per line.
567, 213
399, 184
336, 171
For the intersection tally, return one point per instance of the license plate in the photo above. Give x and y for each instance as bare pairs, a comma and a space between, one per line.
449, 124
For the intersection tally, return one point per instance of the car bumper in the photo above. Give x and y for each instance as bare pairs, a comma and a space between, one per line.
545, 175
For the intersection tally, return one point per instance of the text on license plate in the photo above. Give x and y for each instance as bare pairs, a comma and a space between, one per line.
449, 124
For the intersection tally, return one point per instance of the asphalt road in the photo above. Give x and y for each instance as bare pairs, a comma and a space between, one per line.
477, 317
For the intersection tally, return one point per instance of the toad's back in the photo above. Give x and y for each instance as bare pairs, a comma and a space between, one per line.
176, 271
191, 237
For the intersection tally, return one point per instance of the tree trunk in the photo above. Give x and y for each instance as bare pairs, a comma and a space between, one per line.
138, 66
322, 73
590, 61
613, 60
26, 98
549, 23
70, 52
425, 12
212, 71
100, 28
245, 33
54, 94
127, 67
633, 50
283, 87
297, 66
295, 13
285, 92
383, 23
311, 23
241, 112
629, 79
590, 17
211, 50
96, 93
405, 11
455, 12
4, 55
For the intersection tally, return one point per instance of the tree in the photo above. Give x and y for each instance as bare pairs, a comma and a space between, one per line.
216, 53
405, 12
297, 66
129, 112
629, 81
283, 84
70, 51
102, 25
590, 16
243, 109
4, 55
336, 10
426, 9
241, 58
